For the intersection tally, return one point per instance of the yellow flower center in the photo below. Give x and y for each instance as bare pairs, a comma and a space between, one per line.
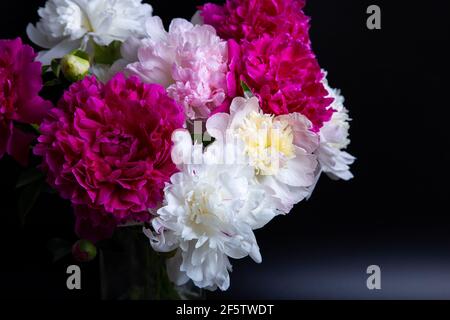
268, 142
198, 204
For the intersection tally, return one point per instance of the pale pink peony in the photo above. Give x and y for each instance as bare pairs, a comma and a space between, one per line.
108, 147
250, 19
190, 61
20, 83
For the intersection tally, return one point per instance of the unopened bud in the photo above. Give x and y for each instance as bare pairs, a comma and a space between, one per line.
75, 66
84, 251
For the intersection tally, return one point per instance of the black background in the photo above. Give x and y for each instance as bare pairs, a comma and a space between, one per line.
394, 213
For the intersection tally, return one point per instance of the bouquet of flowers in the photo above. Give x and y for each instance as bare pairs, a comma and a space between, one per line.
199, 134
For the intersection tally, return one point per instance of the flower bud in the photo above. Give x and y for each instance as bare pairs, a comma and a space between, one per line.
75, 66
84, 251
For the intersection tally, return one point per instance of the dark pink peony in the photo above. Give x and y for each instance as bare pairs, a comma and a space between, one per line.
270, 50
250, 19
107, 148
20, 83
284, 74
93, 224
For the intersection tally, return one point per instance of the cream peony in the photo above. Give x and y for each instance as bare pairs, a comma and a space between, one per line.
279, 148
66, 25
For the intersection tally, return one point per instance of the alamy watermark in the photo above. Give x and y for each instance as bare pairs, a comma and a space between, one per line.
374, 19
74, 279
374, 280
264, 146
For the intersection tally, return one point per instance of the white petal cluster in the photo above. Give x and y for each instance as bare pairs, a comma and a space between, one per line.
281, 149
334, 139
189, 60
209, 215
66, 25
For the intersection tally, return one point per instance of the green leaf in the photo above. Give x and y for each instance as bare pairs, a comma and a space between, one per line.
25, 127
45, 69
107, 54
29, 176
81, 54
247, 91
56, 67
59, 248
36, 127
28, 197
52, 83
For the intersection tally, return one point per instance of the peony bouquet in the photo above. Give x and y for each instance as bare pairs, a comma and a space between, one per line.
199, 134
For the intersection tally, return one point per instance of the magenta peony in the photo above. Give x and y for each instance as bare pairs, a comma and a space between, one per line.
108, 147
93, 224
20, 83
284, 74
269, 49
249, 19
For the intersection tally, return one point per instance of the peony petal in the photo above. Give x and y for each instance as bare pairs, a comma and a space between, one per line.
37, 37
155, 29
240, 108
217, 125
173, 270
298, 172
58, 51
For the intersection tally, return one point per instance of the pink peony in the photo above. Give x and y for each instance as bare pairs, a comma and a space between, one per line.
249, 19
20, 83
108, 147
190, 61
284, 74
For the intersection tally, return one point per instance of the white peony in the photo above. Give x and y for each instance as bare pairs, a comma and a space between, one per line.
66, 25
209, 212
279, 148
334, 138
189, 60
